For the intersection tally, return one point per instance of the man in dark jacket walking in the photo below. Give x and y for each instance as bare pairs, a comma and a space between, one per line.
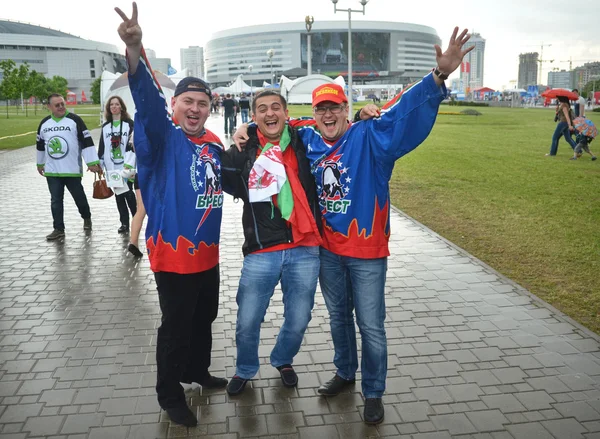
229, 113
280, 220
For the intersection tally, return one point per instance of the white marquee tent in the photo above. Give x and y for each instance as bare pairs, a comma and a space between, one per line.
116, 84
300, 90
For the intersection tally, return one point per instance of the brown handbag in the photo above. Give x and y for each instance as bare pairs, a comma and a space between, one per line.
101, 190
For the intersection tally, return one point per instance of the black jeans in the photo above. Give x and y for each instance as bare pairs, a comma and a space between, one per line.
189, 304
56, 185
124, 200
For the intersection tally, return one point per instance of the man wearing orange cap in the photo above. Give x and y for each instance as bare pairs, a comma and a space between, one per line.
352, 165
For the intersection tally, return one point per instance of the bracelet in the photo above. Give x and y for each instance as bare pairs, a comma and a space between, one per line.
442, 76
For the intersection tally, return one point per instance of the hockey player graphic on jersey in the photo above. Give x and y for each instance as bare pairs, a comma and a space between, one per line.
212, 182
331, 180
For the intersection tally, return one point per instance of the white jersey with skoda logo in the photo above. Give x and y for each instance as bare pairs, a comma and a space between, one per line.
61, 143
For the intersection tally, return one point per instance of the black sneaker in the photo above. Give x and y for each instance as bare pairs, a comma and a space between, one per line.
213, 382
182, 415
334, 386
236, 385
87, 224
594, 157
56, 234
374, 411
134, 251
288, 375
123, 229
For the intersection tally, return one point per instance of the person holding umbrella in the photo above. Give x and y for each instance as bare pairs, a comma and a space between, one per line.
564, 125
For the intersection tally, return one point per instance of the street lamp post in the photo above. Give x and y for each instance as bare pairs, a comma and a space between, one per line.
350, 11
250, 70
309, 20
270, 54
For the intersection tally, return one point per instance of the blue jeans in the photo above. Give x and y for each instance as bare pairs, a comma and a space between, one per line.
298, 270
245, 112
562, 129
350, 284
229, 123
56, 186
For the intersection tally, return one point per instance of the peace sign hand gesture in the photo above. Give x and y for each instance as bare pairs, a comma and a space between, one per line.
129, 30
450, 60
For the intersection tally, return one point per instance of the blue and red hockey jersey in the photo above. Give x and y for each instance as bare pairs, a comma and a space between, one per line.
352, 175
180, 182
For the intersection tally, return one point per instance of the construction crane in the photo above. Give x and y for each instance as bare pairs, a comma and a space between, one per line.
570, 61
542, 60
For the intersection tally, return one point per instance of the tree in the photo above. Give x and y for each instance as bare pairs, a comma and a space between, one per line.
38, 87
58, 84
589, 87
8, 84
22, 83
96, 91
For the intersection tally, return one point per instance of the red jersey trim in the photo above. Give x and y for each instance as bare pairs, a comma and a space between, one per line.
184, 258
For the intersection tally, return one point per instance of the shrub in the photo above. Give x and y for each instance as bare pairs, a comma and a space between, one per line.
470, 112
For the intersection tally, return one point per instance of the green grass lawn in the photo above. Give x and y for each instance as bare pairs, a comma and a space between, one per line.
484, 183
17, 123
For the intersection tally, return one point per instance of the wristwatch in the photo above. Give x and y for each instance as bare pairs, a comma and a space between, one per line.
442, 76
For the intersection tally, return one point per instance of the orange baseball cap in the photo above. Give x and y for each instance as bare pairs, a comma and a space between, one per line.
328, 92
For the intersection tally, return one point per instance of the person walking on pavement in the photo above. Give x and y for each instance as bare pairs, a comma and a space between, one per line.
352, 165
229, 108
244, 107
62, 141
117, 132
282, 238
179, 170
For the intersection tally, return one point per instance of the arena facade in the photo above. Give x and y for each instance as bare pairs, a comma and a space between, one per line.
382, 52
55, 53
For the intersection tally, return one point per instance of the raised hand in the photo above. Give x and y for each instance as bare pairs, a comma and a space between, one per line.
369, 111
129, 30
450, 60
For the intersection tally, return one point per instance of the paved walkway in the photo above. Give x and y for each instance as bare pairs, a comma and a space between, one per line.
471, 354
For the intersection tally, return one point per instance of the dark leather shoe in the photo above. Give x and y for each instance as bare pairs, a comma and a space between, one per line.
236, 385
288, 375
213, 382
374, 411
123, 229
134, 251
182, 415
334, 386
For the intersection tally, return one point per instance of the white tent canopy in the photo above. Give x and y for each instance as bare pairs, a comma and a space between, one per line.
300, 90
239, 86
222, 90
115, 84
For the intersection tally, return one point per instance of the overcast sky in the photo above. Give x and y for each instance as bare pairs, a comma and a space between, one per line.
510, 27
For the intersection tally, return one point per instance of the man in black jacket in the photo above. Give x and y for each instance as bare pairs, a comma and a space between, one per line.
281, 221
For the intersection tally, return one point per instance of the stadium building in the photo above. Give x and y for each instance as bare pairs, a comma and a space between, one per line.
55, 53
382, 52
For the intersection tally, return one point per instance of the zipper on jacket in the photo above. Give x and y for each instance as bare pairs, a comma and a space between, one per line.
253, 215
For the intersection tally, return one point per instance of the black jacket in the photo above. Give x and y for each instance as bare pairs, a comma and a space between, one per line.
260, 230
